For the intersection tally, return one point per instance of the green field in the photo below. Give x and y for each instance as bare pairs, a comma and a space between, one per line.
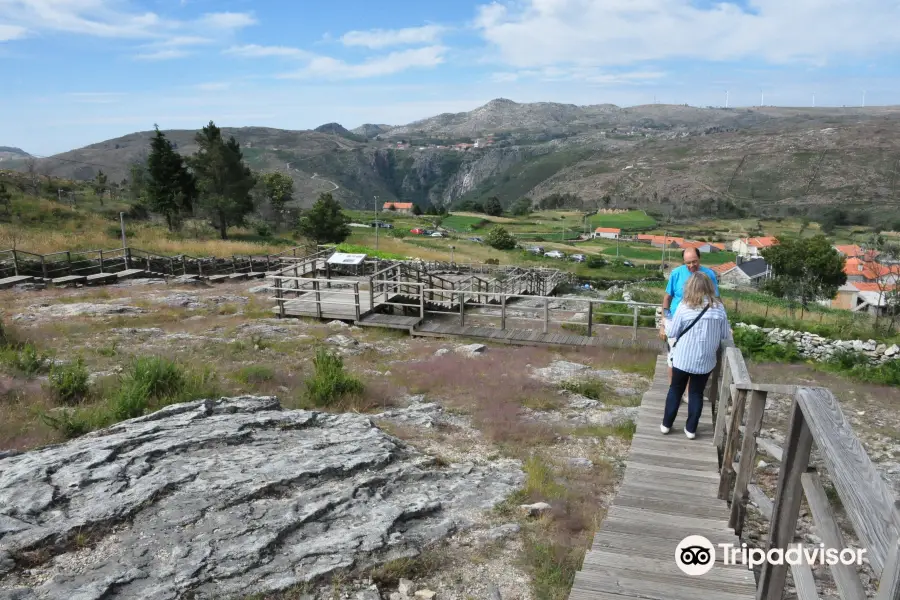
461, 223
630, 221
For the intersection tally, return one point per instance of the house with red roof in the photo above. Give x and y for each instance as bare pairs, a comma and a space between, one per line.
753, 247
610, 233
400, 207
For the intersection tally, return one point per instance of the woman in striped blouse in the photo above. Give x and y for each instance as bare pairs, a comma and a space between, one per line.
694, 355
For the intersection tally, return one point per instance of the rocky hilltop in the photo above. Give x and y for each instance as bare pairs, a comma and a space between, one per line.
673, 159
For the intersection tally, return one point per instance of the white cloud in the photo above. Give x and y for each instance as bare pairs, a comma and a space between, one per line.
620, 32
383, 38
109, 19
162, 55
256, 51
328, 68
227, 20
11, 32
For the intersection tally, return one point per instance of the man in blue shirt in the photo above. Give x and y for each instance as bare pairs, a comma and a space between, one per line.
675, 289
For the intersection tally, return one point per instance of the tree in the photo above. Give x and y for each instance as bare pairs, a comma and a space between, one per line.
521, 207
500, 238
493, 207
325, 222
416, 210
170, 187
805, 270
5, 200
100, 185
278, 190
224, 181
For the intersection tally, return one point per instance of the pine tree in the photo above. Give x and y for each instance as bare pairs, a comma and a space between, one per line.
170, 187
224, 180
325, 222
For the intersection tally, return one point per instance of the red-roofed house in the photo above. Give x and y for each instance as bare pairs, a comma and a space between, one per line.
702, 247
723, 268
401, 207
863, 271
859, 296
607, 232
752, 247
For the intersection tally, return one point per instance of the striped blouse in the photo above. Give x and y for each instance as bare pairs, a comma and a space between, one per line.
696, 350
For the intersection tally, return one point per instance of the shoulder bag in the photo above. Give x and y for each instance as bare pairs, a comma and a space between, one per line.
688, 328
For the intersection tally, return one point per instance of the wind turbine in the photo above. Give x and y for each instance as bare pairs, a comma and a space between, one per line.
726, 98
762, 98
814, 100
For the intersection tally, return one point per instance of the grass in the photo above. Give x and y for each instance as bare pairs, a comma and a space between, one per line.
463, 224
629, 221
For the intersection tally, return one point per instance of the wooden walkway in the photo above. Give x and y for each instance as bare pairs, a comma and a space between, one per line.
529, 337
668, 493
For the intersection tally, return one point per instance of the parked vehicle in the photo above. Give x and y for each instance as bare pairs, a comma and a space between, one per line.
536, 250
438, 234
427, 232
628, 263
477, 240
554, 254
417, 231
579, 257
381, 224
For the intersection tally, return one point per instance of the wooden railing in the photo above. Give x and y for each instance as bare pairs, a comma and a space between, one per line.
815, 421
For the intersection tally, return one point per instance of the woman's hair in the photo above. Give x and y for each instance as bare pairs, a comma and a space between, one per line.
697, 289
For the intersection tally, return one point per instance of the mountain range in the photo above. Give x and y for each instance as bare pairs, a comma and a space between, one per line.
672, 159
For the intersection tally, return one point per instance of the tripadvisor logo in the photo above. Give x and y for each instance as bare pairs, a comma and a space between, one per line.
695, 555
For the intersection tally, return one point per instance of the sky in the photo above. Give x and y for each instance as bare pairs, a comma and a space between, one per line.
77, 72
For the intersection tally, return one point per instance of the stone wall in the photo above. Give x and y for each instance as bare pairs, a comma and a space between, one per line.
815, 346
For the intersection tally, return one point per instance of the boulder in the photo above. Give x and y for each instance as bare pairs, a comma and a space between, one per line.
226, 498
470, 350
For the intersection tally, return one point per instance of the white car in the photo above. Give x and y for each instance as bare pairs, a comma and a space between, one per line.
554, 254
437, 234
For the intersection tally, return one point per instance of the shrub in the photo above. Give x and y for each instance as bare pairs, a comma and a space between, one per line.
595, 262
330, 383
755, 344
161, 377
69, 383
500, 238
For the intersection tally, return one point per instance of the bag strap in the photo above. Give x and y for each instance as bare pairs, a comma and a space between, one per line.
694, 322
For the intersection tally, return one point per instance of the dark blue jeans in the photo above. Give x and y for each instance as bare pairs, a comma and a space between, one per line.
695, 398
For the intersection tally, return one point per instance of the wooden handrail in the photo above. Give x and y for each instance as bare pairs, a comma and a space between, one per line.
816, 421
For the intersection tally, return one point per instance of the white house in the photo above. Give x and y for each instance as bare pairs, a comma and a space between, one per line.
752, 247
607, 232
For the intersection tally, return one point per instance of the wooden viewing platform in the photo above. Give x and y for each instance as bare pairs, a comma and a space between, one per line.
668, 493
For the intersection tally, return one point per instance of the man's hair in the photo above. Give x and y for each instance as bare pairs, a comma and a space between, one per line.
686, 250
698, 288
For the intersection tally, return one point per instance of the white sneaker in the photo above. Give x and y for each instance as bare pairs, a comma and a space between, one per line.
689, 435
664, 429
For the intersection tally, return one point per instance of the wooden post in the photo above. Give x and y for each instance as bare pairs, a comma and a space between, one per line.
69, 261
713, 384
422, 301
356, 297
748, 458
590, 318
101, 260
635, 327
127, 258
726, 478
172, 266
889, 585
786, 508
503, 312
372, 284
546, 314
15, 263
462, 309
279, 296
318, 298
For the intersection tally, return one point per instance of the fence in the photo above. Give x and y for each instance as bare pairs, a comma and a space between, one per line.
816, 419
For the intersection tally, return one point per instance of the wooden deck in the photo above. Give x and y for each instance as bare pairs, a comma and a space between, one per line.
529, 337
389, 321
668, 493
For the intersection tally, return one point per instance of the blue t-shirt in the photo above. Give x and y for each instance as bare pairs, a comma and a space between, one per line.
679, 277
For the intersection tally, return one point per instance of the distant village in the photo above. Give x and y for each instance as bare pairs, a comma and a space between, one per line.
870, 276
461, 147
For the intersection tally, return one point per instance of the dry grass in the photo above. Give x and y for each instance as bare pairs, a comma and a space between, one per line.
96, 233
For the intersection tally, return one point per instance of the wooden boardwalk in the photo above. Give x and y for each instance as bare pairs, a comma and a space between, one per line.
668, 493
529, 337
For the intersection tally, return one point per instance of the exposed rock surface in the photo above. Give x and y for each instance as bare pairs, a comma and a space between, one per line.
77, 309
222, 498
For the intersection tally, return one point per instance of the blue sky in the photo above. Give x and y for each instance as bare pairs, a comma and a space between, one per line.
76, 72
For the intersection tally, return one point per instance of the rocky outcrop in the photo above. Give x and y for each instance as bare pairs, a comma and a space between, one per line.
224, 498
813, 346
